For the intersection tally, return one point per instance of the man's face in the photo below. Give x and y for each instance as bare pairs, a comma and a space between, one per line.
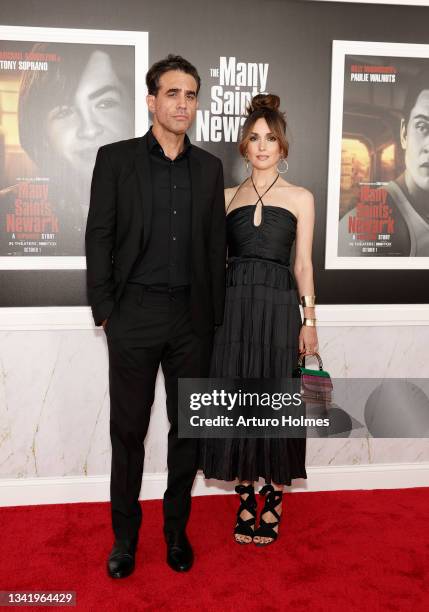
175, 103
415, 141
100, 112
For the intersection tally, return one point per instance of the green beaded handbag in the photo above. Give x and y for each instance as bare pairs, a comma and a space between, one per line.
316, 385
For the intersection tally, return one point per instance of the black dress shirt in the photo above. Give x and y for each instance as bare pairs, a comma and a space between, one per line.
167, 258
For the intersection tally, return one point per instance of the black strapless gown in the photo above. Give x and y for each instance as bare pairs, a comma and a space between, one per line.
258, 339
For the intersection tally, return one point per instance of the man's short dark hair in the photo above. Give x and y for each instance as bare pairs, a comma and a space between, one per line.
418, 84
171, 62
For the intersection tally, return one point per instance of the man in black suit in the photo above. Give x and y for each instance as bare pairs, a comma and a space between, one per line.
155, 248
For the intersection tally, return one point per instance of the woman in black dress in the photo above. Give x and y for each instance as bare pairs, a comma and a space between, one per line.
263, 334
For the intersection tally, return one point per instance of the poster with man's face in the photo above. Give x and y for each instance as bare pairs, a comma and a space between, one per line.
63, 95
378, 191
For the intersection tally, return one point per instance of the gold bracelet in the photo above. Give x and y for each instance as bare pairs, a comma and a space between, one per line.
308, 300
309, 322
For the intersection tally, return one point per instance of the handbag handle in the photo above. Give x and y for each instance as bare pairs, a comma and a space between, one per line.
303, 356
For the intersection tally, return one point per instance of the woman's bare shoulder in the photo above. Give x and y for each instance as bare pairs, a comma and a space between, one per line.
297, 199
304, 195
298, 193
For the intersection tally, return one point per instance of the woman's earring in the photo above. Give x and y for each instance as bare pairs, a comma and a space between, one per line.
285, 167
247, 165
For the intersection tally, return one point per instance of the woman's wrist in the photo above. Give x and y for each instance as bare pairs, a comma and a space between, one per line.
309, 312
308, 303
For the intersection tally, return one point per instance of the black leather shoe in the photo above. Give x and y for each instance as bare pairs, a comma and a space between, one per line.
180, 555
120, 563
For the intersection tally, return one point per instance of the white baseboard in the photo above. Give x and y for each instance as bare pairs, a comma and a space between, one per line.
70, 489
328, 315
394, 2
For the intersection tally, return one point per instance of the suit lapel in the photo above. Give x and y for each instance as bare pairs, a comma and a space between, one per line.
195, 173
142, 162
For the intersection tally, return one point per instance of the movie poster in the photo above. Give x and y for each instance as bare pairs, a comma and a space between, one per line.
378, 190
63, 94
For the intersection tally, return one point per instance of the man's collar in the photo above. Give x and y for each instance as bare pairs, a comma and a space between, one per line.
152, 143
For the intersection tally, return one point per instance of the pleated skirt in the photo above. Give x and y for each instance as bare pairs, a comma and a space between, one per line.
258, 339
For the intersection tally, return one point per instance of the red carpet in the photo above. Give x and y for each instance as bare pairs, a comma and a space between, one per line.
358, 550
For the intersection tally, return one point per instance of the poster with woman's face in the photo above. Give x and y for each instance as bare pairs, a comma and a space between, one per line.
63, 95
378, 195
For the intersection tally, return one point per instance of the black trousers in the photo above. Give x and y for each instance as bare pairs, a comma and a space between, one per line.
147, 329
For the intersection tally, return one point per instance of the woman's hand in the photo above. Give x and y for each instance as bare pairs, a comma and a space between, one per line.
308, 343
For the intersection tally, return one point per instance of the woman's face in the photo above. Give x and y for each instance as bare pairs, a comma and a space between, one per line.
263, 150
99, 112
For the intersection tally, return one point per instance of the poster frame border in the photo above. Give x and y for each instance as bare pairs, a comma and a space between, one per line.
341, 48
140, 41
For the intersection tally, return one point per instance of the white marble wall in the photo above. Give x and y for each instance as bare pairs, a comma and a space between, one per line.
54, 400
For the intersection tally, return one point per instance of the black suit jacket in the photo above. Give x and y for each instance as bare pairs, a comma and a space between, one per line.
119, 222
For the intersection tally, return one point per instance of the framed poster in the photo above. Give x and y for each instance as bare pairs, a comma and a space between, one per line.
378, 184
63, 94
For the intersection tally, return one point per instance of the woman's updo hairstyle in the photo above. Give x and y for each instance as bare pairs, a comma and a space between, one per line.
265, 106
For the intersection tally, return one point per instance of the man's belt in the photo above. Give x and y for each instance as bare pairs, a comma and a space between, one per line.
165, 289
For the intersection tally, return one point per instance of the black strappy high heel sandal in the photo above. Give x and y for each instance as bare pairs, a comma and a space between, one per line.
245, 527
266, 530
